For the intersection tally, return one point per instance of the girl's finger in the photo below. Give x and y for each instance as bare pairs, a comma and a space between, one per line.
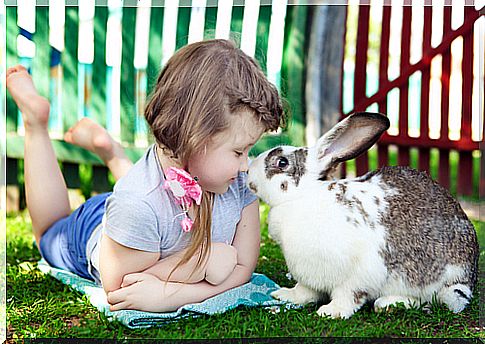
119, 306
117, 296
130, 279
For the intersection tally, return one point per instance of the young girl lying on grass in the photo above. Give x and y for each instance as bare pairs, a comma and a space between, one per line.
180, 225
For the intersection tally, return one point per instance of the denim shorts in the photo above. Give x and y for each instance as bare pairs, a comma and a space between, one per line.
63, 245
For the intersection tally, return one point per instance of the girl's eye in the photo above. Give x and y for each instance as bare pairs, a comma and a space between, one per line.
238, 153
282, 162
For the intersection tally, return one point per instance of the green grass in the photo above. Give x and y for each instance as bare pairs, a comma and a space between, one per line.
40, 306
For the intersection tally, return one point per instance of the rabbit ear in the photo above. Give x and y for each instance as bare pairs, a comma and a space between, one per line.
350, 137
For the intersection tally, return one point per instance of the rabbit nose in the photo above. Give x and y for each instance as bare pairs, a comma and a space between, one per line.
253, 187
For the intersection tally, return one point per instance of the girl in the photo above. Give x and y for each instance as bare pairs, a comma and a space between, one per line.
180, 225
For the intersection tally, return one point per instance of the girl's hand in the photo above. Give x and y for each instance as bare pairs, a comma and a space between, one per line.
142, 292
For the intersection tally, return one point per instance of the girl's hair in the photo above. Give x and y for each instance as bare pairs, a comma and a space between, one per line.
199, 86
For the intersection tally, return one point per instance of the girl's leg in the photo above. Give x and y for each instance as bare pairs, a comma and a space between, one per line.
45, 188
93, 137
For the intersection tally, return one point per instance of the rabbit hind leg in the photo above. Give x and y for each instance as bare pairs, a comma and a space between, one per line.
384, 302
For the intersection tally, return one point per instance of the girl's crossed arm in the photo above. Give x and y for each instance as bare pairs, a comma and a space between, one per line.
116, 261
144, 291
215, 269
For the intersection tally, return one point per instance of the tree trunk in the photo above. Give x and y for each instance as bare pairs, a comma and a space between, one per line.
324, 70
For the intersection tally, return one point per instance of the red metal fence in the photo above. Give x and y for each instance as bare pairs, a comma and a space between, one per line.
465, 145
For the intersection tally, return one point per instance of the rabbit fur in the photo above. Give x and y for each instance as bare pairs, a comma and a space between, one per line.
391, 236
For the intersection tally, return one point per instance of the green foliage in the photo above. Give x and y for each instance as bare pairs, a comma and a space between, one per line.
40, 306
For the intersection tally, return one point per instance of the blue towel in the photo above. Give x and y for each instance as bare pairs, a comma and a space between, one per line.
254, 293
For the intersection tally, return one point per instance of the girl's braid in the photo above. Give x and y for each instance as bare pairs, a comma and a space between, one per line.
264, 113
256, 105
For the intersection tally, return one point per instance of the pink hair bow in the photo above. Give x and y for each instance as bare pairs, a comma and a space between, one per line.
185, 190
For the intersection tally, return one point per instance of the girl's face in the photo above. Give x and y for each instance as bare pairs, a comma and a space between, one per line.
227, 154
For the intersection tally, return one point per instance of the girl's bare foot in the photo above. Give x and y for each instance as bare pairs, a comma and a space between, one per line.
34, 108
91, 136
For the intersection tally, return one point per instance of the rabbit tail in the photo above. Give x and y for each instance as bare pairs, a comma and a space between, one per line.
456, 296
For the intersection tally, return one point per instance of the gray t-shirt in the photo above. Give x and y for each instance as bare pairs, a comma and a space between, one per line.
141, 214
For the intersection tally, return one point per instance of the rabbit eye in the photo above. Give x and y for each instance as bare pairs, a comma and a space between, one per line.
282, 162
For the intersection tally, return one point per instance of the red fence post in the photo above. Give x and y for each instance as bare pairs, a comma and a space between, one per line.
425, 80
465, 169
382, 148
403, 157
444, 164
360, 78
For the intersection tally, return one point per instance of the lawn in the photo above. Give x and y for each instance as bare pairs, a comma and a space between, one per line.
40, 306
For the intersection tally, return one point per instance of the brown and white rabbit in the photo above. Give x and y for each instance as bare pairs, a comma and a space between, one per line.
393, 235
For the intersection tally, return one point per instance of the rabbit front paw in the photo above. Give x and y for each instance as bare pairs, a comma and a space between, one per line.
337, 310
299, 295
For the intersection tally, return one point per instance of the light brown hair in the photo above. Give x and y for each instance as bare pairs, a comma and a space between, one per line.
198, 86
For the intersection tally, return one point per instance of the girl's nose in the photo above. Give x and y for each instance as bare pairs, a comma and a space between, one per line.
244, 164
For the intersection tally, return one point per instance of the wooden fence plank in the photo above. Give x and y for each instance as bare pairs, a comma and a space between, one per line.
275, 41
169, 33
70, 70
262, 37
467, 81
430, 143
196, 25
403, 155
26, 47
157, 19
465, 170
224, 15
127, 81
40, 64
481, 186
249, 26
211, 22
11, 60
85, 57
293, 69
140, 62
98, 105
183, 22
114, 51
424, 153
444, 166
382, 149
236, 23
56, 42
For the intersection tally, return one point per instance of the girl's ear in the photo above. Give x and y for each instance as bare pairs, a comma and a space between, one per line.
349, 138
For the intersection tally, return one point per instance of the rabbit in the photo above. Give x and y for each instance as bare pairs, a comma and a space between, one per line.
390, 236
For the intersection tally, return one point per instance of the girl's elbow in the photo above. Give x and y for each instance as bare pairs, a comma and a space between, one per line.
110, 280
109, 286
245, 273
